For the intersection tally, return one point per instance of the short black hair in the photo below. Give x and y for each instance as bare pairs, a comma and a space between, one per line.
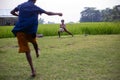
30, 0
62, 20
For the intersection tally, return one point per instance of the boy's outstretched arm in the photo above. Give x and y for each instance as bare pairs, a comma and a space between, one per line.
53, 13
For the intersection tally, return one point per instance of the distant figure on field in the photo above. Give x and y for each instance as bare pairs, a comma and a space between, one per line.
63, 28
26, 27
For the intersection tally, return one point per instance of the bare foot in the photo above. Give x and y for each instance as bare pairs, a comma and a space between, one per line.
33, 74
38, 53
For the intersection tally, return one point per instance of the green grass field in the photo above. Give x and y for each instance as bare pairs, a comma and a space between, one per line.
95, 28
92, 57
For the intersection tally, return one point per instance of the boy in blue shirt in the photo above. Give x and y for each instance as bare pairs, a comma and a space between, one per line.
26, 27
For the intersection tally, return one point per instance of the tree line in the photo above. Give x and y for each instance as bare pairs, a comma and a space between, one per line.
91, 14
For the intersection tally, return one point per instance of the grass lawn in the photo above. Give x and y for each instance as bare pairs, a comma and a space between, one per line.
92, 57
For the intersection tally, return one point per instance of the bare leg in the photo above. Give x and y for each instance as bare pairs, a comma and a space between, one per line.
59, 34
29, 59
36, 49
68, 32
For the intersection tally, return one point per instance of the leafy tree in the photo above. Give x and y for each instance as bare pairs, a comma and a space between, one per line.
50, 22
90, 15
116, 12
107, 14
41, 21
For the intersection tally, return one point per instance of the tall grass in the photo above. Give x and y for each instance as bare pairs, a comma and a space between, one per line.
95, 28
82, 28
48, 29
5, 31
78, 28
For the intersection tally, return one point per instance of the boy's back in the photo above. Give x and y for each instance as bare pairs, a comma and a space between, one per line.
28, 17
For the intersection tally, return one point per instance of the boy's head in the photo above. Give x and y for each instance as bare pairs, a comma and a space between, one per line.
62, 20
32, 0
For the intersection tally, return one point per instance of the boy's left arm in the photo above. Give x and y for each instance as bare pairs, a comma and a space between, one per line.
13, 12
